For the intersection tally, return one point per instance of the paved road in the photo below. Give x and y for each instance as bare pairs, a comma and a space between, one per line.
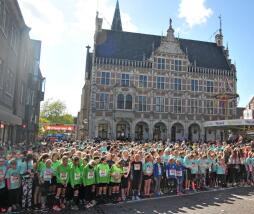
240, 201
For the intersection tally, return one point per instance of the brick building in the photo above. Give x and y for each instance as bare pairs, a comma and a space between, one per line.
21, 81
142, 86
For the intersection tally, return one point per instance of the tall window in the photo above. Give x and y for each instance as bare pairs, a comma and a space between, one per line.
160, 82
194, 85
209, 107
1, 72
125, 81
194, 106
178, 65
120, 101
105, 78
209, 86
178, 84
103, 101
142, 103
159, 104
103, 131
161, 63
128, 102
143, 81
177, 105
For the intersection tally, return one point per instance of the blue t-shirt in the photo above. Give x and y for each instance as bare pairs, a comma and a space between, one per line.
171, 170
14, 176
2, 176
179, 171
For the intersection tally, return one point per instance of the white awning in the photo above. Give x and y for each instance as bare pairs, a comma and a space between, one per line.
226, 123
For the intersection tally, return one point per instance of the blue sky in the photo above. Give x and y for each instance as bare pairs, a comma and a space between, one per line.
67, 26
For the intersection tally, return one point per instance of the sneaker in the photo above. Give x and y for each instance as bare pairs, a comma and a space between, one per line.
89, 205
74, 207
137, 198
9, 210
56, 208
3, 210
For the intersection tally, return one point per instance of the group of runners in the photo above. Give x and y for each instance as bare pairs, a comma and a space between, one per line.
79, 175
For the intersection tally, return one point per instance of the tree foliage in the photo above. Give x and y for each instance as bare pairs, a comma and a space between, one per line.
54, 112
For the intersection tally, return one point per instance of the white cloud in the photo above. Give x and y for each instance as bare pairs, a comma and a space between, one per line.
194, 12
46, 21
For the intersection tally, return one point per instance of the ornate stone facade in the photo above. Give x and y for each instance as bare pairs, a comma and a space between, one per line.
151, 87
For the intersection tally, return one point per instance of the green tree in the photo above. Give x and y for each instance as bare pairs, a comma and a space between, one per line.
54, 112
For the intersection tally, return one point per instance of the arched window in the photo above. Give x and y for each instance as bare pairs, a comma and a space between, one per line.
128, 102
120, 101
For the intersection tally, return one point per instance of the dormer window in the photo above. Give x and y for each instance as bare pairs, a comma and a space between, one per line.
161, 63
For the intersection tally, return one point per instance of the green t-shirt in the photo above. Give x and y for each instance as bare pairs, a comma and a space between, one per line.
75, 175
41, 166
88, 175
102, 173
14, 176
116, 174
62, 174
55, 165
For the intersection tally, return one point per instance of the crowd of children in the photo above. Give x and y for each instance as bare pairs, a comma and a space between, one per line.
80, 175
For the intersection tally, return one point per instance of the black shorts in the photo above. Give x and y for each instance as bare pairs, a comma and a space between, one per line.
54, 182
102, 185
124, 182
193, 177
114, 184
58, 185
76, 187
147, 177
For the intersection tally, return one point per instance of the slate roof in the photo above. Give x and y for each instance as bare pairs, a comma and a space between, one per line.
136, 46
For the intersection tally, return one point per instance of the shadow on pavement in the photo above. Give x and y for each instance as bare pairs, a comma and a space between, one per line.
180, 204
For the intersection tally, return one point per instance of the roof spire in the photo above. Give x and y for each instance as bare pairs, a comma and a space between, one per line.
220, 25
117, 23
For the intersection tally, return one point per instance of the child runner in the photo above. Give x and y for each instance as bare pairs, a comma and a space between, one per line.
88, 176
13, 185
116, 174
148, 172
102, 179
62, 176
136, 176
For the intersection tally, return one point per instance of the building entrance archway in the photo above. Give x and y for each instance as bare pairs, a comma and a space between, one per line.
194, 132
177, 132
160, 131
123, 130
141, 131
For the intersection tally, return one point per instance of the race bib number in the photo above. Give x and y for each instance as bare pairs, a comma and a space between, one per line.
14, 179
136, 166
149, 170
63, 176
103, 173
179, 173
77, 176
47, 175
125, 169
90, 175
172, 172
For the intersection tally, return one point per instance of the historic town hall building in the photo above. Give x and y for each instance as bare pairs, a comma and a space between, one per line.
142, 86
